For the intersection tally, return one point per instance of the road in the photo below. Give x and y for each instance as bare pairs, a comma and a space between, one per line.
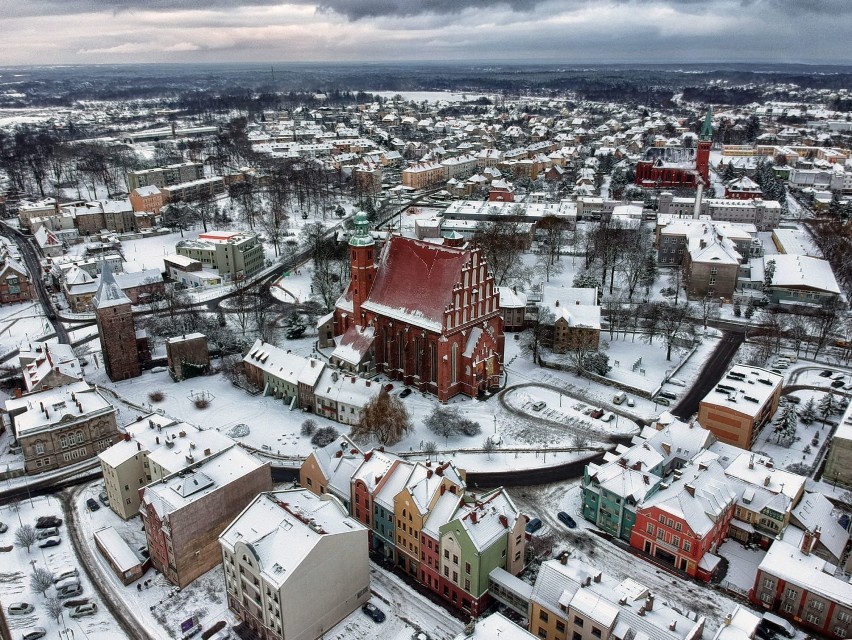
30, 256
711, 373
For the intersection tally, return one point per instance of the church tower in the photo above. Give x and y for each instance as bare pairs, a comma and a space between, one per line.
362, 249
705, 139
115, 328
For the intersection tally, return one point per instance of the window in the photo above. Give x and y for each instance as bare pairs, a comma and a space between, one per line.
650, 528
39, 448
467, 585
542, 632
687, 546
813, 618
596, 632
662, 519
578, 622
661, 534
791, 594
789, 607
455, 576
676, 541
678, 526
844, 617
560, 626
455, 559
816, 605
467, 568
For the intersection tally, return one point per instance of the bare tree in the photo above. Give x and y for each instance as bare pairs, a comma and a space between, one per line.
54, 608
540, 335
41, 580
488, 446
502, 245
430, 448
26, 536
384, 418
674, 324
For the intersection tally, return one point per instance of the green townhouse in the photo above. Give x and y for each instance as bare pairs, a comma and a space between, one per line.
386, 490
486, 533
629, 474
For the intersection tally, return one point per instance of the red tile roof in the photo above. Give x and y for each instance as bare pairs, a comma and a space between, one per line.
415, 281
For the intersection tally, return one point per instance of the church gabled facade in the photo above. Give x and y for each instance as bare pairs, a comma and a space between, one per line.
428, 313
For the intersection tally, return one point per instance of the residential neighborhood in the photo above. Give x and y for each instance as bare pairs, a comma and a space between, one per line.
434, 363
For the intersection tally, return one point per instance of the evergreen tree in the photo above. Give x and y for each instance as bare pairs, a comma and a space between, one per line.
809, 412
729, 173
786, 424
737, 310
749, 310
828, 405
295, 326
370, 209
768, 273
650, 272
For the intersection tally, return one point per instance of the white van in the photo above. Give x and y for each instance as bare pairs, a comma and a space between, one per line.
619, 397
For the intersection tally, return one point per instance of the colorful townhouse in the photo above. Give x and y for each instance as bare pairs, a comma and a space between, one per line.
685, 521
420, 518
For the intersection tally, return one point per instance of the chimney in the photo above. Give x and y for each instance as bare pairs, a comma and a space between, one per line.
158, 439
207, 452
563, 559
642, 611
597, 577
767, 480
473, 517
807, 543
673, 625
126, 437
339, 454
504, 521
690, 490
139, 446
428, 473
649, 602
368, 455
443, 489
368, 382
313, 363
817, 534
751, 461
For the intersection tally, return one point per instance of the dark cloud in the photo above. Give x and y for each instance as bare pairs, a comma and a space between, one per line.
361, 9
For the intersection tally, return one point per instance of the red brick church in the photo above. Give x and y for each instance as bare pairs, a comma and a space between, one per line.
426, 314
677, 167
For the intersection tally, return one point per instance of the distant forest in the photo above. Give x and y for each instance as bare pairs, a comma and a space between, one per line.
226, 84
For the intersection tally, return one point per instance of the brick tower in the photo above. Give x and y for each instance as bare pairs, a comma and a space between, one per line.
702, 157
363, 264
116, 329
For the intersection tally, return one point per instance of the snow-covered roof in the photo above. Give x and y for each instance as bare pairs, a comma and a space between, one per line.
282, 364
803, 272
42, 358
283, 527
745, 389
815, 511
487, 518
760, 471
787, 562
557, 585
109, 293
211, 474
354, 345
121, 554
46, 409
510, 298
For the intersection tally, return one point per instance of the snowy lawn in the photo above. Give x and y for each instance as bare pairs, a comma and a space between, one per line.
18, 564
20, 322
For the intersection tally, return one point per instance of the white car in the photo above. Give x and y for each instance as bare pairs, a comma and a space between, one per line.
609, 416
20, 608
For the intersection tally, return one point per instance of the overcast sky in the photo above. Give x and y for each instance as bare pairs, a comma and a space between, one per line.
569, 31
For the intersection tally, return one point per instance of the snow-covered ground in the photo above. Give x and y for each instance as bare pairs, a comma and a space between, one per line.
742, 564
19, 322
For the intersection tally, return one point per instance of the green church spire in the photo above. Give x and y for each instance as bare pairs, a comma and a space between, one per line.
707, 127
362, 236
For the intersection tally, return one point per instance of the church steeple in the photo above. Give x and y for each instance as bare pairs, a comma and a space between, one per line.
362, 246
707, 127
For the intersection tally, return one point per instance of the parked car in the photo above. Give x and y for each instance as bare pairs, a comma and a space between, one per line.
46, 522
619, 397
34, 633
596, 413
793, 399
65, 573
389, 387
826, 373
374, 612
838, 376
43, 534
663, 401
71, 591
836, 384
50, 542
405, 392
567, 520
20, 608
83, 610
538, 406
668, 394
3, 527
92, 504
609, 416
533, 525
631, 402
104, 498
71, 581
779, 625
